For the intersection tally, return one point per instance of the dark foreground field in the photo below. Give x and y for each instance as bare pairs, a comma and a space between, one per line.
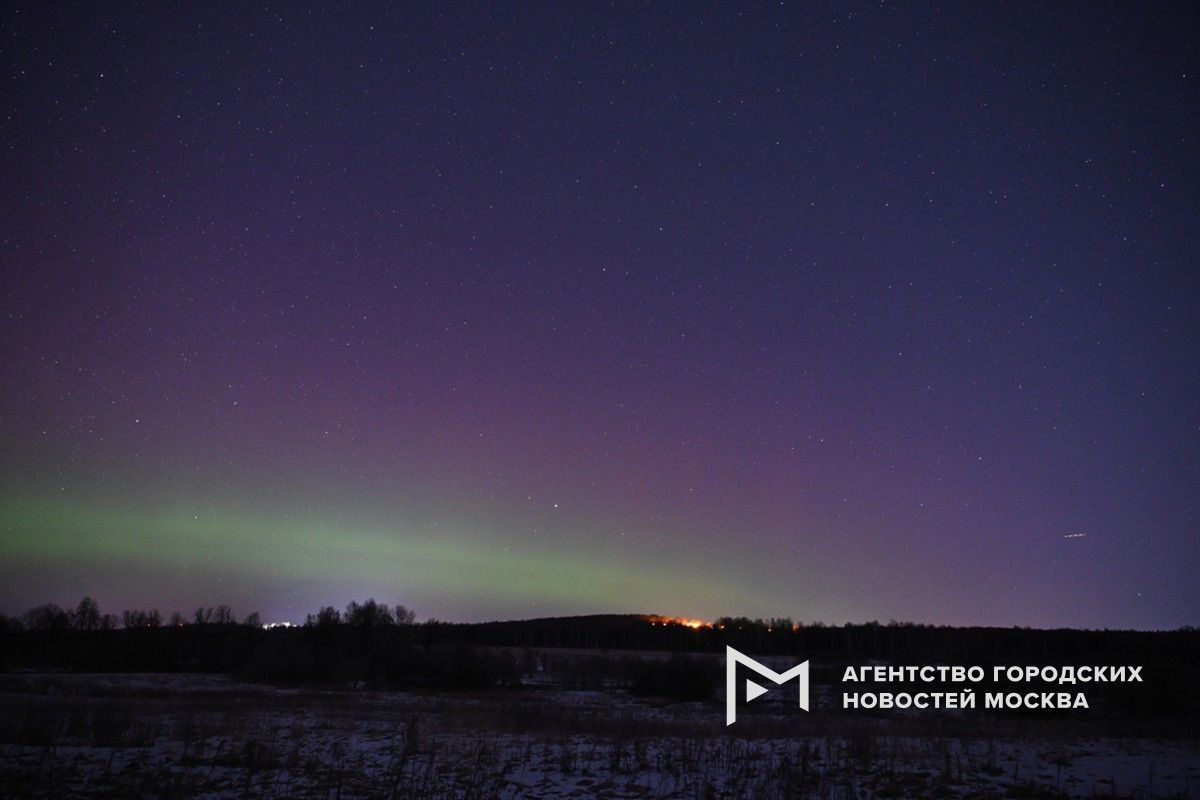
185, 735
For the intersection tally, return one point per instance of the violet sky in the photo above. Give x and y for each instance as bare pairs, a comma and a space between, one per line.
832, 311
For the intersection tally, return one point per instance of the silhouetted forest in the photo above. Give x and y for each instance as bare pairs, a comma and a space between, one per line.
371, 643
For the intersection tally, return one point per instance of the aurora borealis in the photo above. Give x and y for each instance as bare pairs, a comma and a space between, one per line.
512, 312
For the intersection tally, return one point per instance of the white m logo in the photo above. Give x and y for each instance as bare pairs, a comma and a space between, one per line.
753, 690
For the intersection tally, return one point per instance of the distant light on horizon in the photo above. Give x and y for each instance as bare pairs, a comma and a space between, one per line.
687, 622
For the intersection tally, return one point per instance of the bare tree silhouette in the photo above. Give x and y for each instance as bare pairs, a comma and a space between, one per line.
48, 617
327, 617
136, 618
86, 616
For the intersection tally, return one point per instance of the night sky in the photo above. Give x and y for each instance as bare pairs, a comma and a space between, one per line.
828, 311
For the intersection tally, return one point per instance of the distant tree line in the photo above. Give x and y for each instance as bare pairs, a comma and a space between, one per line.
372, 643
893, 641
362, 615
87, 617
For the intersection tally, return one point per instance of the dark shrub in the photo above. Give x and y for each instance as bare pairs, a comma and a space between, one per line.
679, 678
283, 662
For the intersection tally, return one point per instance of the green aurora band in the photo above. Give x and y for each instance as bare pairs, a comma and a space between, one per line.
402, 559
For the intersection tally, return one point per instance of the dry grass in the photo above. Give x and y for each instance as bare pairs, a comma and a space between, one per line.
73, 738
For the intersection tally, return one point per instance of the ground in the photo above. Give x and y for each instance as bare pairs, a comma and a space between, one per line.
128, 736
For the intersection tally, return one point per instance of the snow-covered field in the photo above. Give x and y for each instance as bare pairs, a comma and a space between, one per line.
129, 736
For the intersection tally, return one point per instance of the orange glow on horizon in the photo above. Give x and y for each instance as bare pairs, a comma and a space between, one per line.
687, 622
